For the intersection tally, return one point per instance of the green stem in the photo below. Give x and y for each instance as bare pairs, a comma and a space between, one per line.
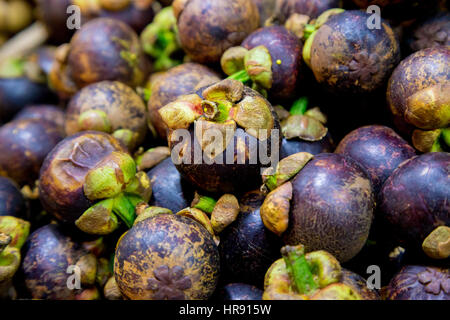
241, 76
299, 106
124, 209
445, 135
309, 30
206, 204
299, 270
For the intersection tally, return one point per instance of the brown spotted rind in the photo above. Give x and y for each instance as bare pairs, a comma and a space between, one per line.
24, 144
207, 28
421, 70
285, 48
359, 284
164, 243
124, 108
180, 80
348, 57
415, 198
332, 206
419, 283
378, 149
65, 168
102, 50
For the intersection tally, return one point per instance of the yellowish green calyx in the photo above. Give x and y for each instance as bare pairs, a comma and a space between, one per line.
127, 137
98, 219
151, 212
94, 120
258, 64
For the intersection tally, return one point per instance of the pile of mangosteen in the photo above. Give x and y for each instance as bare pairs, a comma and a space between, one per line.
225, 150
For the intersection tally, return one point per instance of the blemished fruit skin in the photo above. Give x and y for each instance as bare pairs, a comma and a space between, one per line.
247, 247
169, 190
49, 252
285, 48
167, 257
331, 207
414, 282
414, 199
360, 284
378, 149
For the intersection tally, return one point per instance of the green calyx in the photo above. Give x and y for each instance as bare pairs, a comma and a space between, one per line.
299, 106
302, 278
308, 31
119, 188
241, 76
442, 143
151, 212
307, 49
12, 68
160, 40
96, 120
204, 203
127, 137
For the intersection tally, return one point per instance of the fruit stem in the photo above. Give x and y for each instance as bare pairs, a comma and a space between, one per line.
124, 208
206, 204
299, 106
241, 76
308, 31
300, 273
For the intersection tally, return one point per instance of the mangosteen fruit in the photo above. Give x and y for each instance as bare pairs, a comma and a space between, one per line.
169, 189
271, 58
167, 257
378, 149
44, 112
85, 61
209, 27
266, 9
324, 202
177, 81
414, 200
49, 254
347, 57
88, 179
246, 247
359, 284
53, 14
111, 107
415, 282
222, 136
24, 144
430, 32
12, 202
418, 95
240, 291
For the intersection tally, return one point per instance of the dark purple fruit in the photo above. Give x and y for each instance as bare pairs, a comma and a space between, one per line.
414, 199
331, 207
310, 8
169, 189
378, 149
167, 257
434, 31
17, 93
419, 283
246, 247
240, 291
286, 52
53, 13
225, 22
349, 58
296, 145
359, 284
12, 203
44, 112
183, 79
49, 253
24, 144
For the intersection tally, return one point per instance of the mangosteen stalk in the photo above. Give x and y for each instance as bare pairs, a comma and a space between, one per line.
204, 203
299, 271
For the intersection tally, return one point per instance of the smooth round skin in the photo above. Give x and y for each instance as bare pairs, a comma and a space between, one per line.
240, 291
16, 93
419, 283
178, 245
423, 69
64, 170
414, 199
347, 57
106, 49
296, 145
284, 47
331, 207
169, 190
122, 105
247, 248
177, 81
207, 28
24, 144
45, 112
49, 252
12, 202
378, 149
311, 8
